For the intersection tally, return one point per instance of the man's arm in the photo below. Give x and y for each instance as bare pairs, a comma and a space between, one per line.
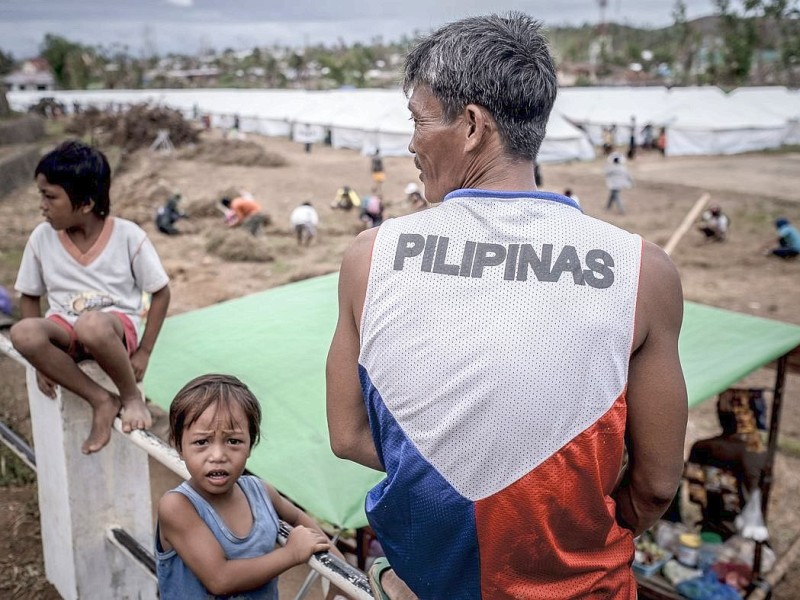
155, 319
656, 396
348, 423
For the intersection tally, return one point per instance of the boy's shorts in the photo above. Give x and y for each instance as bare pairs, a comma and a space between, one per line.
378, 176
76, 350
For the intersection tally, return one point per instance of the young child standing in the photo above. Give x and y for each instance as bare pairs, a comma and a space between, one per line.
93, 269
216, 533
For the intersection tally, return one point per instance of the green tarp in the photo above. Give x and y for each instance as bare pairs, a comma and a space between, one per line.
719, 347
276, 341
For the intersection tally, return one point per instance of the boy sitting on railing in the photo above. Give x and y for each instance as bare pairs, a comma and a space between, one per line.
93, 269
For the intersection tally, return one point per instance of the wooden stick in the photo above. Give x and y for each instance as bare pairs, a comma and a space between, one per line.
690, 218
777, 572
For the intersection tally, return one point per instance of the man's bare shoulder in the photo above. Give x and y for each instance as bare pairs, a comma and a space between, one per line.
660, 291
658, 270
359, 254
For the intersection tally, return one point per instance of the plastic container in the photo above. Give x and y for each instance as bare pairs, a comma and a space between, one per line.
711, 543
689, 549
654, 567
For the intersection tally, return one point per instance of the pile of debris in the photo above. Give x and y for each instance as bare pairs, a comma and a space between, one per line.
233, 152
134, 128
238, 246
47, 107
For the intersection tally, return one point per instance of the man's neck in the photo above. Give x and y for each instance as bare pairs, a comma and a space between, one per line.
501, 173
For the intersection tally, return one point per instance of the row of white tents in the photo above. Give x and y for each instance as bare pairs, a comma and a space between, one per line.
697, 120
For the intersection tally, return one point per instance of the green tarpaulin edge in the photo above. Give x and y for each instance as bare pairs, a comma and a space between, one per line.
719, 347
276, 341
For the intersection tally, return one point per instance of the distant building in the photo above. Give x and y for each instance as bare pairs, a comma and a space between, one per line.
199, 77
35, 74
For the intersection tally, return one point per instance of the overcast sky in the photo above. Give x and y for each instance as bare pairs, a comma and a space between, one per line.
187, 26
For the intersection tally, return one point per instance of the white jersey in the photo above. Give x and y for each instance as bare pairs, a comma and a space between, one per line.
111, 276
496, 331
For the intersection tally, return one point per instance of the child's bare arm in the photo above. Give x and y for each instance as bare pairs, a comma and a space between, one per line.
296, 517
30, 306
155, 319
194, 542
289, 512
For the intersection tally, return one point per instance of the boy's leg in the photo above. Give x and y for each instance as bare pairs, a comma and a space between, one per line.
103, 336
43, 343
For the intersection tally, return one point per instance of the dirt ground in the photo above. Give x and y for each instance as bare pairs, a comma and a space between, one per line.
753, 189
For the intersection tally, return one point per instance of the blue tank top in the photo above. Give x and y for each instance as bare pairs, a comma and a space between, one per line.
177, 582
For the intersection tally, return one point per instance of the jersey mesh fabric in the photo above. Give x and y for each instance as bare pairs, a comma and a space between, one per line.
495, 392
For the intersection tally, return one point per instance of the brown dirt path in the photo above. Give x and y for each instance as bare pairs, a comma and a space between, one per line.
753, 189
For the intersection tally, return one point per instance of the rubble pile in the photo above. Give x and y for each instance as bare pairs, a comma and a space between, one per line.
233, 152
134, 128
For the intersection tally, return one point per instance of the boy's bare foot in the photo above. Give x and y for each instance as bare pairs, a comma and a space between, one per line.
103, 416
135, 414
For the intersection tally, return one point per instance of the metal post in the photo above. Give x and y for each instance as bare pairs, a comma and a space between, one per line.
772, 447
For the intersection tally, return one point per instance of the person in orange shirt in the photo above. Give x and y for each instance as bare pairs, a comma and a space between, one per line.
245, 212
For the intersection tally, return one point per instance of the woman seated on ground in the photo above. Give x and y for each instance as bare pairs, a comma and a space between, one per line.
722, 471
714, 224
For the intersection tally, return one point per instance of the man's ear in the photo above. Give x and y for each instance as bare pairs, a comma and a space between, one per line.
480, 126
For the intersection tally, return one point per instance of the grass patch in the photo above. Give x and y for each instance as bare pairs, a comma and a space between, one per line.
12, 470
789, 446
54, 129
785, 149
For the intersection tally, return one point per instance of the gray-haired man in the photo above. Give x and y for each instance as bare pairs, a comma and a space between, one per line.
495, 355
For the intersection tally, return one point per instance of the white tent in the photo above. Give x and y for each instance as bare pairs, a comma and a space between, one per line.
704, 122
358, 127
310, 122
564, 142
775, 100
700, 120
593, 109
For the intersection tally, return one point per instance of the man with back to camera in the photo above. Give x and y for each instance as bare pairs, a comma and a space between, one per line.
496, 354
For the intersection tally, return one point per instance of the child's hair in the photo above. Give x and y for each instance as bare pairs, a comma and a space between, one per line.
82, 171
224, 391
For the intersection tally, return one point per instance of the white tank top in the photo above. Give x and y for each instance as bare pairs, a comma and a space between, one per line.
496, 327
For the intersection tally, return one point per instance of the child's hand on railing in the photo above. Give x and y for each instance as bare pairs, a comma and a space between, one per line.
303, 542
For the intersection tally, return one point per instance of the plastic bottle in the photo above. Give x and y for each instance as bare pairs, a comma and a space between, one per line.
689, 549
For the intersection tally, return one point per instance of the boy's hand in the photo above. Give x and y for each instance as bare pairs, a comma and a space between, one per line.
47, 385
139, 360
303, 542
